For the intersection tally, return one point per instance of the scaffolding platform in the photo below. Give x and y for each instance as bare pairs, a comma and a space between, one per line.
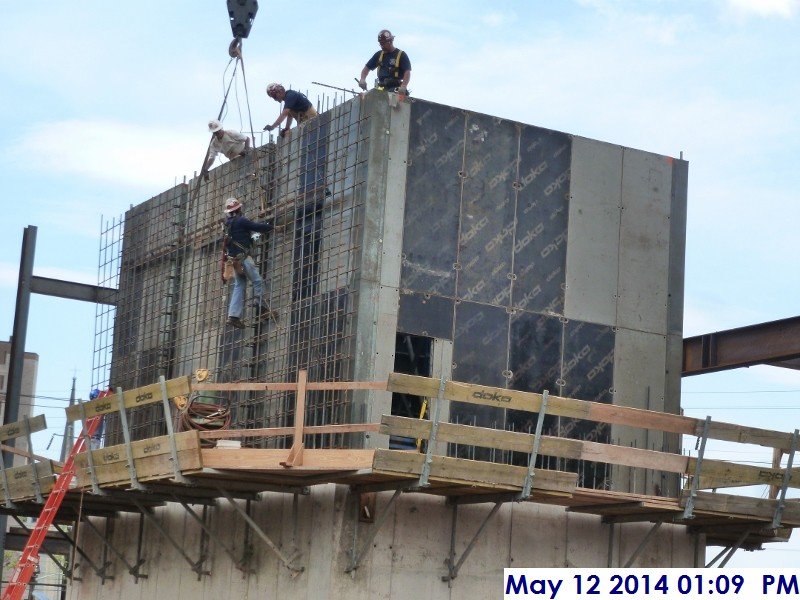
183, 467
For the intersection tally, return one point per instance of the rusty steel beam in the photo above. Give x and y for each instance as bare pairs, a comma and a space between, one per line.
775, 343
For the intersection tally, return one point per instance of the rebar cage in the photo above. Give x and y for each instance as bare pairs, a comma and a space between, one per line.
165, 258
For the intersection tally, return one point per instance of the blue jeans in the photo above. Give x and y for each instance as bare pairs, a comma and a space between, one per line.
239, 287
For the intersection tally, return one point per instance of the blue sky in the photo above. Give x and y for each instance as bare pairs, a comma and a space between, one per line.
106, 105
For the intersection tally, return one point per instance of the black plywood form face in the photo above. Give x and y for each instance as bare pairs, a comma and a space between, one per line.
588, 361
535, 352
480, 347
587, 374
487, 206
480, 355
487, 210
433, 198
540, 243
536, 344
426, 315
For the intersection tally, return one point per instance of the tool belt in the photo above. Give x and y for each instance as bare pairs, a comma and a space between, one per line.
234, 264
305, 115
390, 84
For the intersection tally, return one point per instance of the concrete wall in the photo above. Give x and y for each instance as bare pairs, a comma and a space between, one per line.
533, 259
406, 559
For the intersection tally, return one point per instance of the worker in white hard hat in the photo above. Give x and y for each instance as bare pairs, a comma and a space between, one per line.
230, 143
394, 66
236, 247
295, 106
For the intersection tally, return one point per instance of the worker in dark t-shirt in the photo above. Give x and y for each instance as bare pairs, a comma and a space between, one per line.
295, 106
394, 66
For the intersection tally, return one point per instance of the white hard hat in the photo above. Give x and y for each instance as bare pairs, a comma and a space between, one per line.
214, 125
232, 205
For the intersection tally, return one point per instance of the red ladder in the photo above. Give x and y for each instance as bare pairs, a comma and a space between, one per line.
30, 555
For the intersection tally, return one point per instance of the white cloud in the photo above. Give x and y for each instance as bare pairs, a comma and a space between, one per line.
111, 151
765, 8
493, 19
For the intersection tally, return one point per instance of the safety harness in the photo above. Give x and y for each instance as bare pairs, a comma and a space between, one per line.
228, 240
395, 73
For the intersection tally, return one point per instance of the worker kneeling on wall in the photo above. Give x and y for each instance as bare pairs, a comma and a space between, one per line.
295, 106
230, 143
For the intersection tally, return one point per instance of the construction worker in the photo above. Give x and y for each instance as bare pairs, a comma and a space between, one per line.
295, 106
230, 143
394, 67
237, 247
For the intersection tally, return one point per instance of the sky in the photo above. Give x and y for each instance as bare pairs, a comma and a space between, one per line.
106, 105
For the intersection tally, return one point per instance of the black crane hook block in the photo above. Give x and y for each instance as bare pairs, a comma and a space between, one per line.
242, 13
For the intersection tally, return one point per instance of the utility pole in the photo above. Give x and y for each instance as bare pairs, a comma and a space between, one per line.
66, 443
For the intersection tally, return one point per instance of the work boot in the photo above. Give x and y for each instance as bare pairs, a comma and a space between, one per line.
236, 322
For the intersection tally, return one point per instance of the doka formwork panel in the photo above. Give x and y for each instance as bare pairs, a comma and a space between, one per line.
595, 205
433, 199
644, 241
540, 239
488, 205
640, 360
677, 246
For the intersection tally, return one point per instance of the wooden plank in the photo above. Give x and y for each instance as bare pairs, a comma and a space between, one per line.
746, 506
30, 455
550, 446
21, 484
472, 472
132, 398
289, 387
715, 472
152, 458
258, 459
149, 468
17, 429
278, 431
736, 474
295, 458
582, 409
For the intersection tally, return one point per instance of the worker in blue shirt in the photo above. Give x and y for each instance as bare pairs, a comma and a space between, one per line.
394, 66
295, 106
237, 245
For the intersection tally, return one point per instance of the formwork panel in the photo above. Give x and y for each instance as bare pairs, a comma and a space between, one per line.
644, 242
424, 314
540, 241
588, 364
487, 210
677, 246
593, 243
433, 198
536, 349
480, 354
639, 365
536, 346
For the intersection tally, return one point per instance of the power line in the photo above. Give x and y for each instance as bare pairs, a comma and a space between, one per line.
744, 392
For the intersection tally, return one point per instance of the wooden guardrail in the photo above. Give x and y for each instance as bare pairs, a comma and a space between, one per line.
25, 481
714, 473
